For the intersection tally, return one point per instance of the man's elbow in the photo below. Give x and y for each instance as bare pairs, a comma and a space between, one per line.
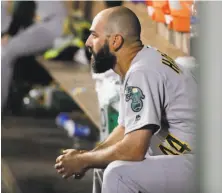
136, 155
132, 152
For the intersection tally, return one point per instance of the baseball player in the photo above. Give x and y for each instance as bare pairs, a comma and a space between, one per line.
152, 149
34, 39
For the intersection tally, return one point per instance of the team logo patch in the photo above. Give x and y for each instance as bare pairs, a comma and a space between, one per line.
136, 95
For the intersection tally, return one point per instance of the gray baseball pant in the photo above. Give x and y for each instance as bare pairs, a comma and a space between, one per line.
156, 174
34, 39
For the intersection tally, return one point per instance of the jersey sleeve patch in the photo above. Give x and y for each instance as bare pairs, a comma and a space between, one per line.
135, 96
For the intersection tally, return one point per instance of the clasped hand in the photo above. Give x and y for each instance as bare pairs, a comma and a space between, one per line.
70, 163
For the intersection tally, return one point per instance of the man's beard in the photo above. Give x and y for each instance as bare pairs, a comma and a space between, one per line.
104, 60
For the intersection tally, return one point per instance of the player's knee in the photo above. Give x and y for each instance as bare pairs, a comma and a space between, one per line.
113, 170
110, 176
8, 55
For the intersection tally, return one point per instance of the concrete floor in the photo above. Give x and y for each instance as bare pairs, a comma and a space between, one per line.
30, 147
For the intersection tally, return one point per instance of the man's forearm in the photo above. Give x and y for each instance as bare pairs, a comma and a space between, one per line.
132, 147
116, 136
119, 151
10, 7
102, 157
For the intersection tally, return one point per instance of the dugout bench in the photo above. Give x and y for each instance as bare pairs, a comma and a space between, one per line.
71, 76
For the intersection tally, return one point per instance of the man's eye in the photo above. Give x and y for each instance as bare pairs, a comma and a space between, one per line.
94, 35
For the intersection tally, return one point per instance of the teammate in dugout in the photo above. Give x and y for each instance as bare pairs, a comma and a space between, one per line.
157, 113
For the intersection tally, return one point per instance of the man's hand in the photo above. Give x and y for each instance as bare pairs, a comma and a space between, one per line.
4, 39
76, 175
69, 163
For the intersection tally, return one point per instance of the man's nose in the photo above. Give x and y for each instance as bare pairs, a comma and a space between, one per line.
88, 42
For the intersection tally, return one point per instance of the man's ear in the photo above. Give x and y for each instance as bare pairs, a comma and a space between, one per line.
117, 42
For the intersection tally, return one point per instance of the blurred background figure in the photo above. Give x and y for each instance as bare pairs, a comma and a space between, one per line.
5, 17
33, 29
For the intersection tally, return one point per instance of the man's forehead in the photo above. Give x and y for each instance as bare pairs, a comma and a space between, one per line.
98, 23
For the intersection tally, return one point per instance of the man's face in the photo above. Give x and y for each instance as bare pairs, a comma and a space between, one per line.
102, 59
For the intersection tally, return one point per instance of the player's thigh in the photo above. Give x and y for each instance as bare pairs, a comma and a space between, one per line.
156, 174
34, 39
179, 172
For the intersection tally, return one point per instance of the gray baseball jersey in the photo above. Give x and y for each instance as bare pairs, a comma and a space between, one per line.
48, 9
158, 92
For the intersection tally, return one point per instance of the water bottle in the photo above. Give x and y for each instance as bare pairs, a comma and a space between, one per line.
61, 119
76, 130
73, 129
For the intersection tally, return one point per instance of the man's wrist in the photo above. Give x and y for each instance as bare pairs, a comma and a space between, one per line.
84, 158
6, 35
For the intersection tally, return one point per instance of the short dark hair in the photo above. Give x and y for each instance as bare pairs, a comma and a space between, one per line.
123, 20
110, 4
